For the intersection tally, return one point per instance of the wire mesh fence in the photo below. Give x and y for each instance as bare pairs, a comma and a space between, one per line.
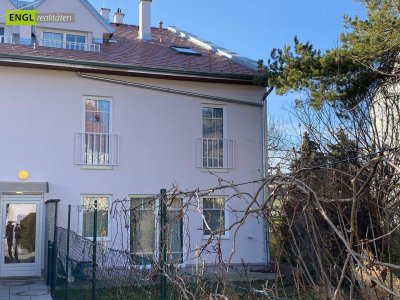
143, 258
116, 274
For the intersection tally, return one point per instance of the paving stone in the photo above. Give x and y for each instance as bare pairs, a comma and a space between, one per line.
27, 289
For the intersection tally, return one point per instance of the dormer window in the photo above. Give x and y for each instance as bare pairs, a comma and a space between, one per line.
1, 34
67, 41
76, 42
52, 39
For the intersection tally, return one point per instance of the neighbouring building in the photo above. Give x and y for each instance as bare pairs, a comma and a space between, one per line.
96, 109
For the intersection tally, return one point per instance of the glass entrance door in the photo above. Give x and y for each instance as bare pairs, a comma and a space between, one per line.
21, 244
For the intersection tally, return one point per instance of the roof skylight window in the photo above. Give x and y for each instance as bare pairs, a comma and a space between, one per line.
185, 50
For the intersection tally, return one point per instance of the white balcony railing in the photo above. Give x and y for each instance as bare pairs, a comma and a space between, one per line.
215, 153
52, 43
96, 149
69, 45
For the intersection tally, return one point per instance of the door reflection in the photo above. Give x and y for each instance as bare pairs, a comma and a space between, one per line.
20, 233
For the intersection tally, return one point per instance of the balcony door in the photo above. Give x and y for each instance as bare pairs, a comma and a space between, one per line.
21, 235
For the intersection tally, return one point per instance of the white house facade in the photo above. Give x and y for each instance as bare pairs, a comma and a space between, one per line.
99, 110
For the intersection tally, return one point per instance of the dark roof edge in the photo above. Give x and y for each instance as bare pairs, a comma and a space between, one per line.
96, 14
120, 69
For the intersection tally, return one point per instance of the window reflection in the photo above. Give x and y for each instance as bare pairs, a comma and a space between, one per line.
20, 233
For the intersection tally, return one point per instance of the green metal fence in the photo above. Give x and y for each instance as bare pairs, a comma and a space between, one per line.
90, 268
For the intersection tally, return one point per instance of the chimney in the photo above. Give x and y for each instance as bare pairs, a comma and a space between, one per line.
105, 13
145, 19
119, 17
160, 28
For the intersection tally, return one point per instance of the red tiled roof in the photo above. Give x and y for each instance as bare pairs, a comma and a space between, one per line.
128, 51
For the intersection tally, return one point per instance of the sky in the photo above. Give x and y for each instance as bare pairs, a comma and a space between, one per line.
251, 28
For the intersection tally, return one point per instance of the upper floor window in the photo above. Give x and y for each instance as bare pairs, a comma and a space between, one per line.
213, 122
97, 145
76, 42
215, 150
2, 38
213, 135
52, 39
97, 115
67, 41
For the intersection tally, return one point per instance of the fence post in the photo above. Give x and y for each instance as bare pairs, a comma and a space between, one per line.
94, 262
49, 260
163, 245
67, 256
55, 250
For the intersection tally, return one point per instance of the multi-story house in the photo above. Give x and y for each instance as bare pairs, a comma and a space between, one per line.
95, 109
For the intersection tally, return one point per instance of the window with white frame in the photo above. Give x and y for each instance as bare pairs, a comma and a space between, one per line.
214, 215
97, 146
144, 225
142, 229
216, 151
2, 38
213, 135
97, 115
75, 42
175, 231
53, 39
64, 40
100, 204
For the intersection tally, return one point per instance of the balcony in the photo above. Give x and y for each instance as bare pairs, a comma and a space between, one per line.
214, 153
96, 149
69, 45
52, 44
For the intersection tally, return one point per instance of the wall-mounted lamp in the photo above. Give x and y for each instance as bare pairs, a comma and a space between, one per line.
23, 175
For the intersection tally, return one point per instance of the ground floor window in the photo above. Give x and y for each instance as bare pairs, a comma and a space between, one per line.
175, 231
214, 215
144, 228
101, 202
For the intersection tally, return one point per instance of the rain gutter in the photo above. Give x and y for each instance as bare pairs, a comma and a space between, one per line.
121, 69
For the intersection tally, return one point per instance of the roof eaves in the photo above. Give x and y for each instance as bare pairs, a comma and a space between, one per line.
244, 61
96, 14
99, 66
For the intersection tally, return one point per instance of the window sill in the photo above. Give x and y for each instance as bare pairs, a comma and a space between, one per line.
215, 170
216, 237
93, 167
99, 239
